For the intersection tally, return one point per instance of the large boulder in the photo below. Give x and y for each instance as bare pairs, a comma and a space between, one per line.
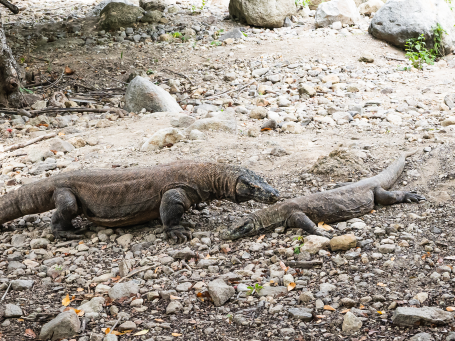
344, 11
262, 13
399, 20
118, 14
142, 93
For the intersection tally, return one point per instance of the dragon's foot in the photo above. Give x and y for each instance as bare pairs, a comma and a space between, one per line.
314, 230
179, 234
413, 197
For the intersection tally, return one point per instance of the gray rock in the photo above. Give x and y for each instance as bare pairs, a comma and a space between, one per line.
152, 5
110, 337
161, 138
60, 145
197, 135
39, 243
18, 239
174, 307
258, 113
272, 291
408, 316
234, 34
120, 290
152, 16
304, 314
262, 13
351, 323
21, 284
95, 305
344, 11
12, 310
42, 167
422, 337
98, 8
398, 21
116, 14
185, 253
220, 291
223, 122
142, 93
64, 326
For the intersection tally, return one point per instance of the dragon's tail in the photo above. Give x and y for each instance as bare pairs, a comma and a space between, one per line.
28, 199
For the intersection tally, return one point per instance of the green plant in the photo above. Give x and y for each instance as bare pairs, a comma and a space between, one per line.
121, 55
149, 72
244, 34
230, 317
257, 288
417, 52
216, 43
26, 90
297, 248
177, 35
438, 33
200, 8
302, 3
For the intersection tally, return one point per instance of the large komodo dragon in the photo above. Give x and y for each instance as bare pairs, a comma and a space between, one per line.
348, 201
132, 196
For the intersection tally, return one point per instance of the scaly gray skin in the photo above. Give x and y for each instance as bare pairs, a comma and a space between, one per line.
124, 197
349, 200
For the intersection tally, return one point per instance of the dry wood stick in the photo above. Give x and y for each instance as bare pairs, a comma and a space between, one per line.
29, 142
117, 111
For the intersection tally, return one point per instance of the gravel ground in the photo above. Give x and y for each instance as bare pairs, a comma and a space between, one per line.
395, 283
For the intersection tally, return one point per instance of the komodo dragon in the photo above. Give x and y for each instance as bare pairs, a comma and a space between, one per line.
126, 197
349, 200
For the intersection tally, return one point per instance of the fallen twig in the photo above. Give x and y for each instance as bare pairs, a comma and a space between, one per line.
7, 289
394, 58
144, 268
29, 142
305, 264
179, 74
117, 111
55, 83
115, 325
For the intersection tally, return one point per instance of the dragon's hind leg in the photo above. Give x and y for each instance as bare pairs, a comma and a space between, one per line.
67, 210
383, 197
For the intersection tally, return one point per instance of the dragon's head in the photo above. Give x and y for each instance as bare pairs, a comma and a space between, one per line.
244, 227
251, 186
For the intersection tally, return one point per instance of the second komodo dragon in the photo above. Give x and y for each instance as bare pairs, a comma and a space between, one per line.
348, 201
126, 197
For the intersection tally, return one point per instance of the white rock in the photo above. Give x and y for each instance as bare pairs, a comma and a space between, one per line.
343, 11
162, 138
262, 13
313, 244
372, 6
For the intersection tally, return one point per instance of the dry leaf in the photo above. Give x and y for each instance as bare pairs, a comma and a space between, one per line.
61, 133
20, 320
207, 257
325, 226
106, 330
159, 320
172, 297
361, 307
66, 301
28, 333
142, 332
157, 269
114, 332
176, 334
450, 309
291, 286
382, 284
345, 311
260, 238
328, 307
80, 289
68, 71
392, 259
321, 316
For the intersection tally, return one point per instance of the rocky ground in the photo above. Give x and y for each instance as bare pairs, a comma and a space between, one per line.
306, 108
